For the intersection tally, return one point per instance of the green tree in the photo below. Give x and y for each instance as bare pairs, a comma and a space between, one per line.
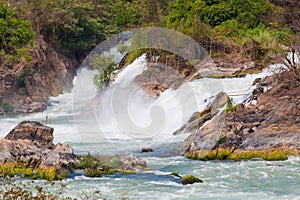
15, 33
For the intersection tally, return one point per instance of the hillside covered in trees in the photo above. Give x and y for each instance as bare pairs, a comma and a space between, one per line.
43, 42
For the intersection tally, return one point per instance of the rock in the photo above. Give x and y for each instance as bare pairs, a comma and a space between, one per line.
270, 129
32, 131
176, 174
130, 162
190, 179
32, 142
27, 85
147, 150
220, 101
157, 78
197, 120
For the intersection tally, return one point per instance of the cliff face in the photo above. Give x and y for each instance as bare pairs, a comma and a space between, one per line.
26, 86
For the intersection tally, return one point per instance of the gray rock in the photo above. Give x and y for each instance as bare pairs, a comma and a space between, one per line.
32, 131
272, 124
33, 142
198, 119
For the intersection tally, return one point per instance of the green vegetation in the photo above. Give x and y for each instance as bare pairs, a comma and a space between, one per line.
21, 78
271, 156
131, 56
13, 189
15, 34
77, 27
105, 67
7, 108
17, 169
252, 30
190, 179
222, 140
230, 107
97, 165
226, 154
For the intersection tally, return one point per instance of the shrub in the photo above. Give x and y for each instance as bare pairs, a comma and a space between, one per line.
21, 78
230, 107
8, 108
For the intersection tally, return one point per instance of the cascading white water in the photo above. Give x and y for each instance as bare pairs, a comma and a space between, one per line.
123, 113
123, 118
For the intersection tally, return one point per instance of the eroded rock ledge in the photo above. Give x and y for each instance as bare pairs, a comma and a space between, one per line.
267, 127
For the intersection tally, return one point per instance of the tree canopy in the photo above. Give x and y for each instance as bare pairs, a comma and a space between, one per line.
15, 33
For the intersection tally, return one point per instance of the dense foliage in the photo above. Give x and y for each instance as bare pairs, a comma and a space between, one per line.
258, 22
81, 25
254, 29
15, 33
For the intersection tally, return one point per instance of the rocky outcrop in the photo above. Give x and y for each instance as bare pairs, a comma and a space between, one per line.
197, 120
190, 179
32, 131
166, 70
32, 143
268, 125
130, 162
26, 86
158, 77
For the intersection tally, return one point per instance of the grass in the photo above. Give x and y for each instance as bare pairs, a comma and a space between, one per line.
237, 155
15, 169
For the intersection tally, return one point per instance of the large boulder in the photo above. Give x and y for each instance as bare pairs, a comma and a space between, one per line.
198, 119
32, 131
32, 142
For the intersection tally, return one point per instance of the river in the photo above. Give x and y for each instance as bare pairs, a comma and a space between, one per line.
70, 116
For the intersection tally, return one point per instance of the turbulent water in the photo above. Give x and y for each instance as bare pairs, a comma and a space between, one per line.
95, 123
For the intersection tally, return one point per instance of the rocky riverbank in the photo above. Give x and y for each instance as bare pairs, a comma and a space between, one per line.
28, 151
266, 126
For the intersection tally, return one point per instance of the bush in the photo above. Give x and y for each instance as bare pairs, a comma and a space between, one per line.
230, 107
8, 108
21, 78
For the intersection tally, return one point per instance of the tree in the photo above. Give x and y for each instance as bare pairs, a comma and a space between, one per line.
292, 61
15, 33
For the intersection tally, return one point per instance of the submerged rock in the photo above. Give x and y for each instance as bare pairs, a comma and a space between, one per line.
32, 143
190, 179
144, 150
